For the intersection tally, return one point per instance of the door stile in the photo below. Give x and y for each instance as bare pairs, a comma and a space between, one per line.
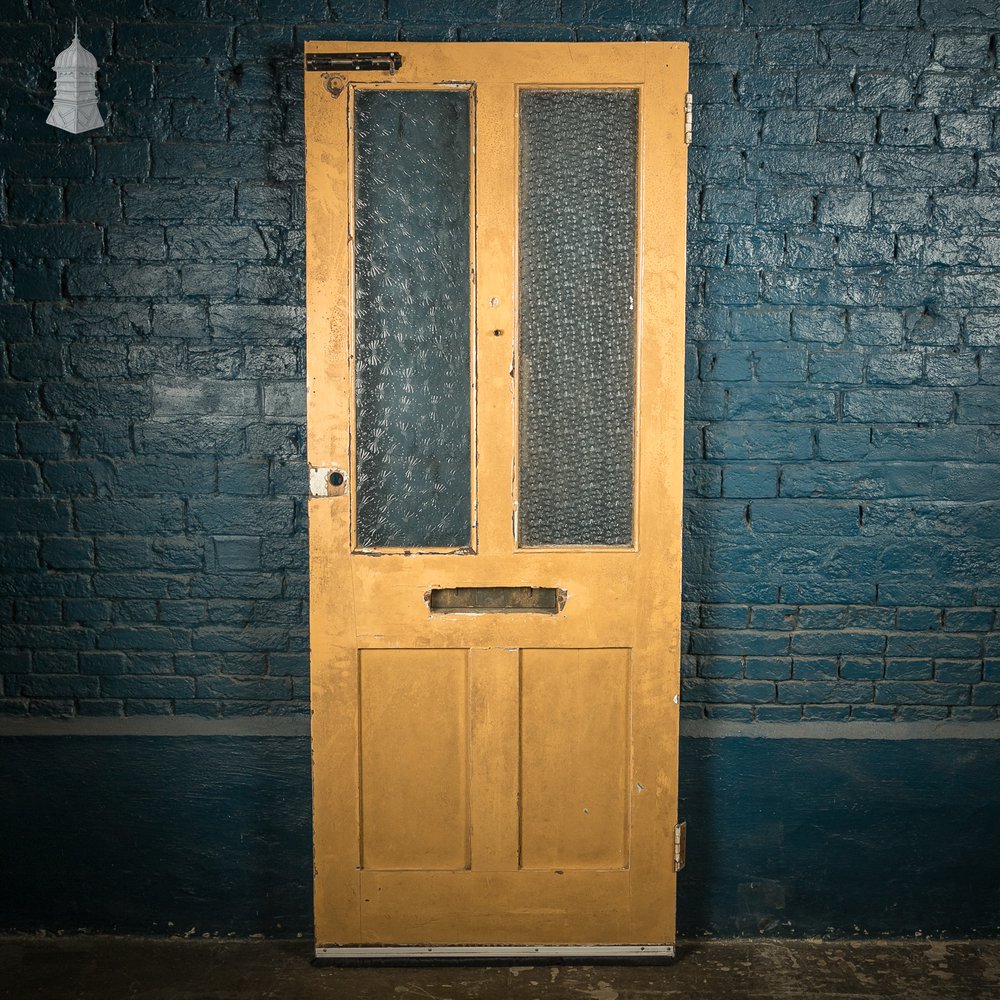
656, 682
335, 724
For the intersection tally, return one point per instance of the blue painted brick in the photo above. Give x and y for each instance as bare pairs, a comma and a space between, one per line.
52, 686
702, 481
718, 13
792, 516
100, 708
749, 480
963, 130
726, 47
875, 327
102, 663
838, 643
148, 706
821, 325
794, 404
767, 668
144, 638
973, 714
68, 553
55, 662
814, 668
826, 713
893, 406
777, 713
719, 126
41, 440
288, 664
836, 367
855, 128
945, 91
766, 89
756, 441
906, 128
727, 691
783, 12
861, 668
918, 619
825, 88
785, 47
725, 667
724, 616
914, 693
248, 639
728, 205
872, 713
730, 713
767, 324
824, 691
774, 617
724, 642
147, 687
237, 553
958, 671
921, 713
151, 663
785, 365
934, 644
243, 688
969, 619
986, 694
788, 205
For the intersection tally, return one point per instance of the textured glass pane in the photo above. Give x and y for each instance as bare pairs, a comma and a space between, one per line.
412, 372
576, 316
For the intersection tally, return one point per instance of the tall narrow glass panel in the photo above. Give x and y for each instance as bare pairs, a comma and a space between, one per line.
576, 316
412, 177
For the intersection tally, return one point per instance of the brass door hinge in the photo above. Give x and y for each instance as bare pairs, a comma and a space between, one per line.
680, 846
688, 118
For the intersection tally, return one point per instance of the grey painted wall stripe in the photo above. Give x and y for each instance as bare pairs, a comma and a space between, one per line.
166, 726
695, 729
299, 726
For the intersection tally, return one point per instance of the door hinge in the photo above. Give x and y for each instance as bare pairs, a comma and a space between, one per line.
688, 118
357, 62
680, 845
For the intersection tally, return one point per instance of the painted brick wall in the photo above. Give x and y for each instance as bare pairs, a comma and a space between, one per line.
843, 368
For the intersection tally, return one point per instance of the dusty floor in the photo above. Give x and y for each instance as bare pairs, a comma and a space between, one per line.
106, 968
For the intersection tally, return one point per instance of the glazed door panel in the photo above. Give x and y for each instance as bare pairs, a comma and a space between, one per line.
495, 282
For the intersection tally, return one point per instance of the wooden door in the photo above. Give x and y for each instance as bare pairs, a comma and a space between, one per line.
495, 268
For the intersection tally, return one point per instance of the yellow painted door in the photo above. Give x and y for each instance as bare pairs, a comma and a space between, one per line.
495, 300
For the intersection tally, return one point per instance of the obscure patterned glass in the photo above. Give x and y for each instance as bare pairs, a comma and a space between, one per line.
412, 267
577, 251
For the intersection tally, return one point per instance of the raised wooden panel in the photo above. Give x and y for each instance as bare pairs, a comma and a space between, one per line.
574, 758
414, 759
520, 907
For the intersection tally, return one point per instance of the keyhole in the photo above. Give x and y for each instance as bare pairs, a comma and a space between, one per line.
336, 479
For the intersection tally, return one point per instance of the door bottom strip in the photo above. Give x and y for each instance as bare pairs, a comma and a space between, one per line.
494, 951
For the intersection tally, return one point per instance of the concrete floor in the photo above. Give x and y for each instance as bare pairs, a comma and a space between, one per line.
106, 968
